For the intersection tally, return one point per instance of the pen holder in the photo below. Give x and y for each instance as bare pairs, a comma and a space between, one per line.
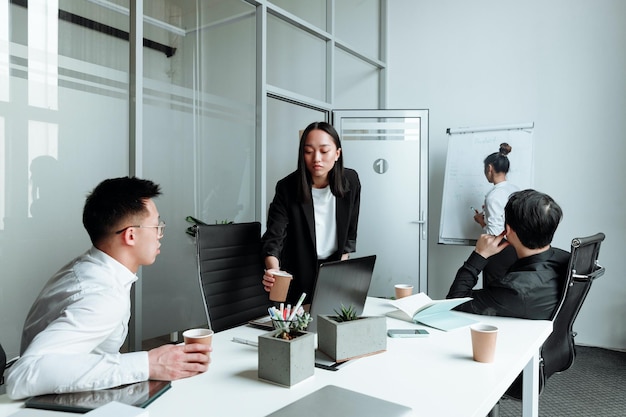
286, 325
300, 323
286, 358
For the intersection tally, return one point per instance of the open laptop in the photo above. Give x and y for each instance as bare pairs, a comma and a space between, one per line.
341, 282
338, 282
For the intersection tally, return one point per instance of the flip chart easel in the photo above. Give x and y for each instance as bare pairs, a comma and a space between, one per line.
465, 184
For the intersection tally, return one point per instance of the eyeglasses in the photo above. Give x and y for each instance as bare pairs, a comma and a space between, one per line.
160, 228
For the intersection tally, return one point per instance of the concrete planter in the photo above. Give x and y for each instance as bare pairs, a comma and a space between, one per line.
286, 362
351, 339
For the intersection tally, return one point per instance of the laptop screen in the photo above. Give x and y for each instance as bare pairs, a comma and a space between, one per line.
341, 282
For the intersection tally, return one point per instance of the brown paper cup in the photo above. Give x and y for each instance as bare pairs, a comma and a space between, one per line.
484, 342
279, 290
204, 336
403, 290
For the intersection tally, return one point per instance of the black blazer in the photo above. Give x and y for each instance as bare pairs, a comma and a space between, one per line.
290, 234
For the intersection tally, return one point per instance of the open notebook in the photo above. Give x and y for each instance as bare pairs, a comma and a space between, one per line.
420, 308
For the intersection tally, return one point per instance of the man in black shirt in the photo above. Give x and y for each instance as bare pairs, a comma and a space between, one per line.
532, 285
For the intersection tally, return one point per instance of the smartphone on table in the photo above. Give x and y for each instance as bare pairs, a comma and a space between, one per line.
407, 333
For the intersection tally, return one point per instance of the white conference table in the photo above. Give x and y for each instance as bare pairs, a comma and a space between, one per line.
435, 375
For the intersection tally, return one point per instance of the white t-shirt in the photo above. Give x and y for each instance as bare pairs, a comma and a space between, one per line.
324, 205
495, 200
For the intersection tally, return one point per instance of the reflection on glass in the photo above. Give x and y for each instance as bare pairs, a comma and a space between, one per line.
199, 142
299, 65
312, 11
43, 151
350, 15
4, 53
43, 75
356, 83
64, 130
3, 167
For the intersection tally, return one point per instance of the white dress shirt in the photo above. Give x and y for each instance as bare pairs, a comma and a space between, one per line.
495, 200
74, 330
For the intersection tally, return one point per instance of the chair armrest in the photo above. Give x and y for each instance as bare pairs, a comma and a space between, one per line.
11, 362
590, 277
7, 366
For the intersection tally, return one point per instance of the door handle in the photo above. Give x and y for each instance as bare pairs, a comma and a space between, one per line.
422, 223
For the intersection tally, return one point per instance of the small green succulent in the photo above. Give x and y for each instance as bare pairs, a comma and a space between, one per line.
346, 314
291, 329
302, 321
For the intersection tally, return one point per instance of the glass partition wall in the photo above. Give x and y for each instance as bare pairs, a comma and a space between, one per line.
63, 128
198, 141
227, 86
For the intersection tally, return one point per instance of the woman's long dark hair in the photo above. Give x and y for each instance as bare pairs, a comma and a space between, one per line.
335, 176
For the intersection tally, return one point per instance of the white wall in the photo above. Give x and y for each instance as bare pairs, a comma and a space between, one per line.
560, 64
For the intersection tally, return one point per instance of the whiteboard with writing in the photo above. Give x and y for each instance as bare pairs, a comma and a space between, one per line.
465, 184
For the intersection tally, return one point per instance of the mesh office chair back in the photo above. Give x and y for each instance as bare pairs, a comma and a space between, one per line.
230, 270
3, 364
559, 350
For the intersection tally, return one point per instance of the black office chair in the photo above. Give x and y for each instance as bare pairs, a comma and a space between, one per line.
230, 270
559, 350
4, 364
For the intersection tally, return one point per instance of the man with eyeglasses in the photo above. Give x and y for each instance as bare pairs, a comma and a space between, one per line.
79, 321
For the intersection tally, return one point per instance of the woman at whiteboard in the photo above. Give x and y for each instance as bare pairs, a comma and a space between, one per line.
314, 215
496, 167
492, 218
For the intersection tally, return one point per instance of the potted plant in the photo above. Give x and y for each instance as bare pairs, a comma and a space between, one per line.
348, 336
287, 354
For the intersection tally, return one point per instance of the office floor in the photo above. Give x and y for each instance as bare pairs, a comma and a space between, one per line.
595, 386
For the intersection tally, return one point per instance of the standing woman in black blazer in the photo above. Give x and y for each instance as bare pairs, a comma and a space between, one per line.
314, 215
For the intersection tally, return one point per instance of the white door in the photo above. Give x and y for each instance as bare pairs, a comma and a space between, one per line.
389, 150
